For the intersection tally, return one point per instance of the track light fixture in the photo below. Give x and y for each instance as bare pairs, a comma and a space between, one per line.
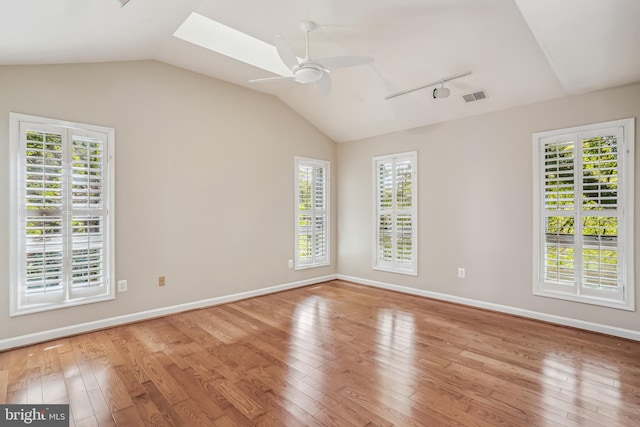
441, 92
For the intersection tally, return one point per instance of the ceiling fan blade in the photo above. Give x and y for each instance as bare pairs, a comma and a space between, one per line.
271, 79
285, 52
324, 84
335, 62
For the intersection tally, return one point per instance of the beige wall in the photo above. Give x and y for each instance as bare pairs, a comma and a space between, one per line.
204, 181
475, 203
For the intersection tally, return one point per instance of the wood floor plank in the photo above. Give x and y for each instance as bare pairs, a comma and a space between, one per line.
34, 385
18, 370
128, 417
81, 405
100, 408
114, 392
53, 387
164, 408
245, 404
87, 422
333, 354
191, 414
167, 385
148, 411
4, 385
197, 392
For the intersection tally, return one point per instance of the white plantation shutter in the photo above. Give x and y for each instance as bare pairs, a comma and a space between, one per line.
601, 213
585, 199
396, 213
62, 241
88, 213
42, 219
559, 199
312, 212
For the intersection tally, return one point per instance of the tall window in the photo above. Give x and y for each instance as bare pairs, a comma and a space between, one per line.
583, 214
61, 214
396, 247
312, 213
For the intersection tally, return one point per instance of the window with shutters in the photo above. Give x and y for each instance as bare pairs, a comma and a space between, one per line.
61, 214
395, 234
583, 214
312, 213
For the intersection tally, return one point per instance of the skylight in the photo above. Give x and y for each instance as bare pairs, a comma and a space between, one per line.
212, 35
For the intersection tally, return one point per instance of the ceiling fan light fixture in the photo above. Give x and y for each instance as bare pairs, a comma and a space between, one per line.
308, 75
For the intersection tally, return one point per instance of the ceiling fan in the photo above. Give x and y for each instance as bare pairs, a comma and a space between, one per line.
308, 70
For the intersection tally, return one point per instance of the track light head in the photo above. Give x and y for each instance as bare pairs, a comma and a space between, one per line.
442, 92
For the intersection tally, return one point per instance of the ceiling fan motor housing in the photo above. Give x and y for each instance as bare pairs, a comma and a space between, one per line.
308, 74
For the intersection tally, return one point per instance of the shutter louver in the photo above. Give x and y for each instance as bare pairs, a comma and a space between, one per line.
404, 220
320, 214
87, 221
559, 178
559, 199
305, 237
87, 172
44, 255
43, 217
600, 220
87, 252
305, 221
385, 209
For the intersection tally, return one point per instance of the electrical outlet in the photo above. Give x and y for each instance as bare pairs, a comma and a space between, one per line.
162, 281
290, 263
122, 286
461, 273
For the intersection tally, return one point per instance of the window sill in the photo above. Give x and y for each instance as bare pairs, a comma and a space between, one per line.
396, 270
307, 266
602, 302
38, 308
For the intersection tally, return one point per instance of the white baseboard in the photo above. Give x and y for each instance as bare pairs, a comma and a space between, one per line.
559, 320
51, 334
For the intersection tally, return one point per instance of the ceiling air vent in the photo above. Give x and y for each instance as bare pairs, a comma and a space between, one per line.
476, 96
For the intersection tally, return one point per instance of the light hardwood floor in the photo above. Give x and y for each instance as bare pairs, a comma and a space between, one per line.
333, 354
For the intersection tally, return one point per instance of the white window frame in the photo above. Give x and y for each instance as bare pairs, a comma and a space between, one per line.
623, 298
315, 260
68, 296
394, 266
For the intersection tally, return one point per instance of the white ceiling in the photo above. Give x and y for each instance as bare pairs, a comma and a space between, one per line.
519, 51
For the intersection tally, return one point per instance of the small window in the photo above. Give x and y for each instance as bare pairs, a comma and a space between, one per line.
61, 214
396, 210
312, 213
583, 214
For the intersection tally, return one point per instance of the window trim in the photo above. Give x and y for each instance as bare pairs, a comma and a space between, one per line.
15, 120
626, 225
413, 269
298, 161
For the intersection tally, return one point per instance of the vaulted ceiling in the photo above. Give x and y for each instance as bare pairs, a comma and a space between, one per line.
518, 51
